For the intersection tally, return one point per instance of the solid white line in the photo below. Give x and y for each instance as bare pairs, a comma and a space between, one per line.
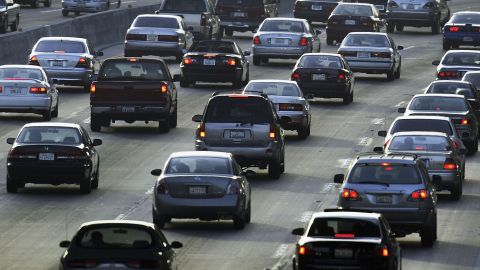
408, 48
378, 121
149, 191
281, 250
306, 216
52, 10
120, 217
327, 187
126, 2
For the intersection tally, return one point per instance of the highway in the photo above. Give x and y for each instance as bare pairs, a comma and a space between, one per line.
35, 220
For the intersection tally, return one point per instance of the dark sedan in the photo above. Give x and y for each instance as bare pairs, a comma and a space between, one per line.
456, 63
314, 10
215, 61
53, 153
462, 29
324, 75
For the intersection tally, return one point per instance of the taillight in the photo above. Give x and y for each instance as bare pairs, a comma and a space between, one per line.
455, 145
82, 263
231, 62
303, 41
429, 5
342, 76
445, 74
136, 37
162, 188
33, 61
232, 187
83, 62
383, 251
38, 90
295, 77
272, 134
420, 194
344, 235
164, 88
345, 53
203, 20
392, 4
15, 153
256, 40
350, 194
449, 164
302, 250
187, 61
464, 121
93, 88
454, 29
1, 89
201, 131
290, 107
382, 54
140, 264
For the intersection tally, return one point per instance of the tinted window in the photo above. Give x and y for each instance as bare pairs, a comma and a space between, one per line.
422, 125
61, 46
366, 41
20, 73
198, 165
53, 135
466, 18
248, 110
159, 22
213, 47
446, 87
273, 89
355, 10
185, 6
329, 227
320, 61
384, 173
282, 26
115, 237
461, 59
473, 78
432, 103
419, 143
140, 70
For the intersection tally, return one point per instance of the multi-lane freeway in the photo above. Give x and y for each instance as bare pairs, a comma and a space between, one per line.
34, 221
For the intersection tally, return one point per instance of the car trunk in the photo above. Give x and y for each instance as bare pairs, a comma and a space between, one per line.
280, 39
237, 134
318, 75
45, 153
58, 60
366, 53
351, 20
411, 4
395, 196
197, 186
289, 103
18, 87
345, 251
128, 93
153, 34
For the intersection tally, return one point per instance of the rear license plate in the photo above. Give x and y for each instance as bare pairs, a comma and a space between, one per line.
384, 199
317, 7
128, 109
237, 134
197, 190
16, 91
56, 63
239, 14
363, 54
343, 253
380, 7
410, 6
319, 77
152, 38
46, 156
209, 62
467, 39
280, 41
350, 22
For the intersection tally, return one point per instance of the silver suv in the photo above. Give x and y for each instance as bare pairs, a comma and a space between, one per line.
245, 125
397, 186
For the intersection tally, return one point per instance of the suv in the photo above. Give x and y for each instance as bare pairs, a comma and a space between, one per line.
245, 15
245, 125
417, 13
397, 186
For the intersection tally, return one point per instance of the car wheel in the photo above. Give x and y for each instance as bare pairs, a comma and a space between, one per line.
4, 27
47, 116
86, 87
348, 99
95, 124
390, 27
55, 111
228, 32
159, 220
457, 191
96, 178
391, 74
428, 234
64, 13
257, 60
303, 132
174, 118
14, 26
164, 126
12, 187
47, 3
184, 82
86, 185
399, 27
329, 40
77, 13
265, 60
247, 78
108, 5
274, 169
446, 45
248, 215
397, 74
119, 3
471, 147
239, 220
435, 27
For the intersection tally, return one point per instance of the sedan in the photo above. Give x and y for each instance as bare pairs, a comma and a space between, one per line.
352, 17
462, 29
119, 244
473, 77
455, 63
289, 102
87, 6
206, 184
324, 75
372, 53
314, 10
162, 35
215, 61
26, 89
53, 153
69, 60
286, 38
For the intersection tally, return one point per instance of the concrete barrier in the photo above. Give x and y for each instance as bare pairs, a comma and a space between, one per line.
100, 29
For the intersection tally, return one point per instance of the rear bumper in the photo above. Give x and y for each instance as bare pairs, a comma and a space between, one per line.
411, 18
313, 16
70, 76
325, 90
48, 172
154, 48
25, 104
366, 66
211, 74
279, 52
317, 263
140, 113
239, 25
449, 179
298, 119
463, 38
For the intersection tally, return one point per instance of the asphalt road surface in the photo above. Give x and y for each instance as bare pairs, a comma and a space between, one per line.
34, 221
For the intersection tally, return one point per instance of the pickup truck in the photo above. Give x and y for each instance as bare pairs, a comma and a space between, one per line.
133, 89
197, 14
9, 16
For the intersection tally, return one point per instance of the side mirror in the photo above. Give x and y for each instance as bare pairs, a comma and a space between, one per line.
465, 134
10, 140
249, 173
436, 62
176, 244
437, 181
378, 149
298, 231
254, 31
246, 53
400, 48
64, 244
97, 142
338, 178
197, 118
382, 133
156, 172
318, 32
99, 53
401, 110
176, 78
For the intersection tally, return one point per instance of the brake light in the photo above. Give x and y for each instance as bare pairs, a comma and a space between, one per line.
344, 235
164, 88
187, 61
342, 77
290, 107
449, 164
133, 59
383, 251
464, 121
83, 62
231, 62
420, 194
303, 41
38, 90
272, 134
350, 194
302, 250
256, 40
1, 89
455, 145
33, 61
203, 20
237, 96
162, 187
201, 131
82, 263
392, 4
21, 154
345, 53
93, 88
232, 187
454, 29
135, 37
443, 74
382, 54
429, 5
295, 77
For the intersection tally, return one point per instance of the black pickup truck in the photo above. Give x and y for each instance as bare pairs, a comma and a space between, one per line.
9, 16
133, 89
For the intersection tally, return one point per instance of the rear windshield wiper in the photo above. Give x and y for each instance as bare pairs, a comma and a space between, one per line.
373, 183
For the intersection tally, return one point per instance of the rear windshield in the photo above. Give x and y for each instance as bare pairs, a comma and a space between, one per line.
432, 103
185, 6
461, 59
20, 73
115, 237
336, 227
258, 3
366, 41
473, 78
159, 22
198, 165
139, 70
50, 135
247, 110
419, 143
320, 61
213, 47
355, 10
384, 173
282, 26
60, 46
446, 87
422, 125
273, 89
466, 18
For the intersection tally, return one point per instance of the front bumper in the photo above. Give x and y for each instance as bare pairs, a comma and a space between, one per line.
25, 104
411, 18
157, 48
48, 172
139, 113
279, 52
70, 76
211, 74
324, 89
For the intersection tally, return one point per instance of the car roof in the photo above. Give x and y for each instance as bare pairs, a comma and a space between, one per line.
238, 94
160, 15
322, 54
22, 66
52, 124
143, 58
346, 214
118, 222
368, 33
439, 95
462, 51
64, 39
273, 81
420, 133
285, 18
424, 117
200, 154
356, 4
466, 12
450, 81
397, 158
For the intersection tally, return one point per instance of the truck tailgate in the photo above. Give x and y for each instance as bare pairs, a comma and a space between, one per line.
129, 93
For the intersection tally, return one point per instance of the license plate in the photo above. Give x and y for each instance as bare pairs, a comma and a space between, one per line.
237, 134
384, 199
350, 22
410, 6
363, 54
152, 38
209, 62
16, 91
46, 156
319, 77
380, 7
57, 63
467, 39
343, 253
128, 109
239, 14
317, 7
280, 41
197, 190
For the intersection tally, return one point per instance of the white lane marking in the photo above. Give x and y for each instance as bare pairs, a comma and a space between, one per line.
408, 48
401, 104
378, 121
149, 191
344, 162
126, 2
365, 141
52, 10
86, 121
306, 216
120, 217
327, 187
281, 251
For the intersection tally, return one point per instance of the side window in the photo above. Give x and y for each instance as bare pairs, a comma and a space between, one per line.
385, 226
85, 137
424, 173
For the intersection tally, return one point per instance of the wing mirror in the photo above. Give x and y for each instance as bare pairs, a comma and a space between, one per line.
64, 244
298, 231
338, 178
401, 110
378, 149
437, 181
400, 48
156, 172
176, 78
318, 32
97, 142
436, 62
197, 118
176, 244
382, 133
246, 53
10, 140
249, 174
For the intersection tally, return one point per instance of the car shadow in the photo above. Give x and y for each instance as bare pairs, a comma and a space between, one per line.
22, 118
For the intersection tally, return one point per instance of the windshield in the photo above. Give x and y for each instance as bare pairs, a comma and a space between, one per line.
115, 237
136, 70
282, 26
384, 173
20, 74
273, 89
434, 103
355, 10
60, 46
469, 18
461, 59
213, 47
51, 135
338, 227
198, 165
158, 22
320, 61
419, 143
422, 125
248, 110
366, 41
185, 6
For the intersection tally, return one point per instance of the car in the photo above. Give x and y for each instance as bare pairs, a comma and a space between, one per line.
161, 35
324, 75
453, 106
34, 3
314, 10
244, 15
198, 15
86, 6
439, 154
473, 77
134, 89
246, 125
381, 5
9, 16
289, 102
27, 89
462, 30
215, 61
397, 186
417, 13
125, 244
285, 38
68, 60
53, 153
201, 184
352, 17
455, 63
336, 238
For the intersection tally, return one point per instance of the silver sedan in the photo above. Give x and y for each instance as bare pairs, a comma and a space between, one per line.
161, 35
289, 102
285, 38
26, 89
88, 6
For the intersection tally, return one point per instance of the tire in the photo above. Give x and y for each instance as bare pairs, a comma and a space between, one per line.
398, 73
457, 191
391, 74
95, 179
303, 132
257, 60
390, 27
184, 82
86, 88
264, 60
77, 13
64, 13
119, 3
436, 27
428, 234
164, 126
12, 187
159, 221
4, 27
108, 5
399, 27
47, 3
228, 32
47, 116
248, 215
95, 124
55, 111
14, 26
86, 186
446, 45
239, 220
348, 99
471, 147
274, 169
329, 40
174, 119
247, 78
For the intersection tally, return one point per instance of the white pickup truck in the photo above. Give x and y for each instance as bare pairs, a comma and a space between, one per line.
197, 14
